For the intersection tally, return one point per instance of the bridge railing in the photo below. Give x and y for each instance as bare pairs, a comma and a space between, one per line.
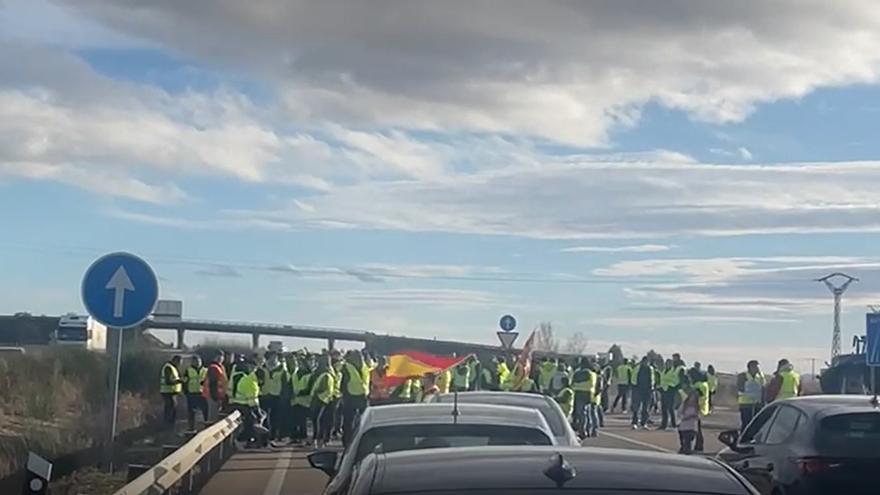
188, 468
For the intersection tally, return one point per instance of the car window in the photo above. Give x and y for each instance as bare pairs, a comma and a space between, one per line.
412, 437
554, 417
784, 424
756, 432
851, 427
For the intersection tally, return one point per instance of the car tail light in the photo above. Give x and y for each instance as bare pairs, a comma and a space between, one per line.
815, 465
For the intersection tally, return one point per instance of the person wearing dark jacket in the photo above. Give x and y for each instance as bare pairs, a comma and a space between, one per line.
642, 389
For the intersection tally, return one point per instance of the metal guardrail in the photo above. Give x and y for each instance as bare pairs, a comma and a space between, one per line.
189, 467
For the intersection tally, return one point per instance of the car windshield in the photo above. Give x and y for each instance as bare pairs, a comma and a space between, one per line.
72, 334
411, 437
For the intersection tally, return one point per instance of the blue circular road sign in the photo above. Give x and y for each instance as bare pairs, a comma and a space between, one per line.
507, 323
120, 290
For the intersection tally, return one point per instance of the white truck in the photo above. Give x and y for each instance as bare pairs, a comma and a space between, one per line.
75, 330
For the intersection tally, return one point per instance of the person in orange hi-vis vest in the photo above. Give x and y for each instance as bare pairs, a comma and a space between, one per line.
215, 391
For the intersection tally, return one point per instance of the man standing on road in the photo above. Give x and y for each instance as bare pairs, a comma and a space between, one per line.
750, 392
622, 377
323, 404
170, 386
461, 377
300, 399
582, 384
274, 383
195, 378
355, 388
786, 383
643, 386
216, 387
670, 384
245, 398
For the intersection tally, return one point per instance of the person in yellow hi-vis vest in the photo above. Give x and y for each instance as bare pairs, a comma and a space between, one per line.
355, 389
275, 380
565, 399
444, 381
622, 376
786, 383
245, 398
701, 385
750, 392
195, 376
323, 401
300, 399
170, 386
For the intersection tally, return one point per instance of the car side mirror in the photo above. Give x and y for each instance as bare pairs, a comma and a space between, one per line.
324, 460
731, 439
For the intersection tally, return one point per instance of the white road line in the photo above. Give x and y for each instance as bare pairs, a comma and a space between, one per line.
276, 481
636, 442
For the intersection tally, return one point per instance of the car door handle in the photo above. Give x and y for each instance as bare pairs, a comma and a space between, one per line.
770, 468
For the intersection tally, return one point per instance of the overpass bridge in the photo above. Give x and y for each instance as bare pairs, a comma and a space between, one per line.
372, 340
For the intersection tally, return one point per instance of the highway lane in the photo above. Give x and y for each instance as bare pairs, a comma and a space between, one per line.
286, 471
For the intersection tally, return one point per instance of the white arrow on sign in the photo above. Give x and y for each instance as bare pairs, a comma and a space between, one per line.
507, 339
120, 283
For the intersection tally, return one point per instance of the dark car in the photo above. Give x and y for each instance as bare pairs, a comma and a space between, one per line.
544, 470
809, 445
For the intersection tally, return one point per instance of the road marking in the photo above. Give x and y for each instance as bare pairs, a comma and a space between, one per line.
276, 482
636, 442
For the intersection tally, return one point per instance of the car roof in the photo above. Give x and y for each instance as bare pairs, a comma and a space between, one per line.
471, 413
829, 405
504, 398
515, 467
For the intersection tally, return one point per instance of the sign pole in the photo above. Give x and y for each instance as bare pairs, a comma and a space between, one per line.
116, 385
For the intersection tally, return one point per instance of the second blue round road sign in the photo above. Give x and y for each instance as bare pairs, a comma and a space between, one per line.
507, 323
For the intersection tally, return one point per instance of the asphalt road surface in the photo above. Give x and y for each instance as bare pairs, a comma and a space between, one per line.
286, 471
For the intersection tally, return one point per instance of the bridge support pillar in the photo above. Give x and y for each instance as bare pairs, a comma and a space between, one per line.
180, 332
331, 343
255, 340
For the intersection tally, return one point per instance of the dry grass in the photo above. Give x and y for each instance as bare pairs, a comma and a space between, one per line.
90, 481
54, 402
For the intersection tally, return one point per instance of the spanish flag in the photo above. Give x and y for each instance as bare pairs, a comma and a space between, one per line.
416, 364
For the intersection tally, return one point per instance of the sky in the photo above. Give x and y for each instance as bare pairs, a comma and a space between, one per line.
670, 175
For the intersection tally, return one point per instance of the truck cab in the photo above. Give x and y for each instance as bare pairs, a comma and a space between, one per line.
80, 331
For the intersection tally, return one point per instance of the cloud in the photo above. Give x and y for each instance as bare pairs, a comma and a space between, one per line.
751, 286
409, 299
378, 272
638, 248
223, 271
561, 71
585, 200
677, 321
744, 153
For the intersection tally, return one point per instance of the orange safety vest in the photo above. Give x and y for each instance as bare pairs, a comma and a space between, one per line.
378, 387
221, 381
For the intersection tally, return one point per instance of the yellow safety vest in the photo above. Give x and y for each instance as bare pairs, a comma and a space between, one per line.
275, 380
404, 390
246, 390
583, 380
301, 394
545, 374
565, 398
444, 381
461, 380
713, 383
358, 380
503, 372
195, 379
789, 386
337, 382
703, 390
754, 390
623, 373
165, 388
597, 391
325, 387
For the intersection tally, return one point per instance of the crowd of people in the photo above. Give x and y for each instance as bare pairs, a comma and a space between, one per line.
308, 399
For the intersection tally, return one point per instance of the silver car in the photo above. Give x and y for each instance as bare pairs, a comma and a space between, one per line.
423, 426
548, 408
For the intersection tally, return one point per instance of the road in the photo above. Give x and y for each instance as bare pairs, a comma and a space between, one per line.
282, 471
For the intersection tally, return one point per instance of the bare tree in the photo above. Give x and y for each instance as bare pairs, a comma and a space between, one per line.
576, 344
545, 339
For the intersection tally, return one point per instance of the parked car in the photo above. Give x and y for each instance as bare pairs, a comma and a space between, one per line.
395, 428
548, 407
542, 470
809, 445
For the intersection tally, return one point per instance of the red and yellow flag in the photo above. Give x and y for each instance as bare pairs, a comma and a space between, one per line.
416, 364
